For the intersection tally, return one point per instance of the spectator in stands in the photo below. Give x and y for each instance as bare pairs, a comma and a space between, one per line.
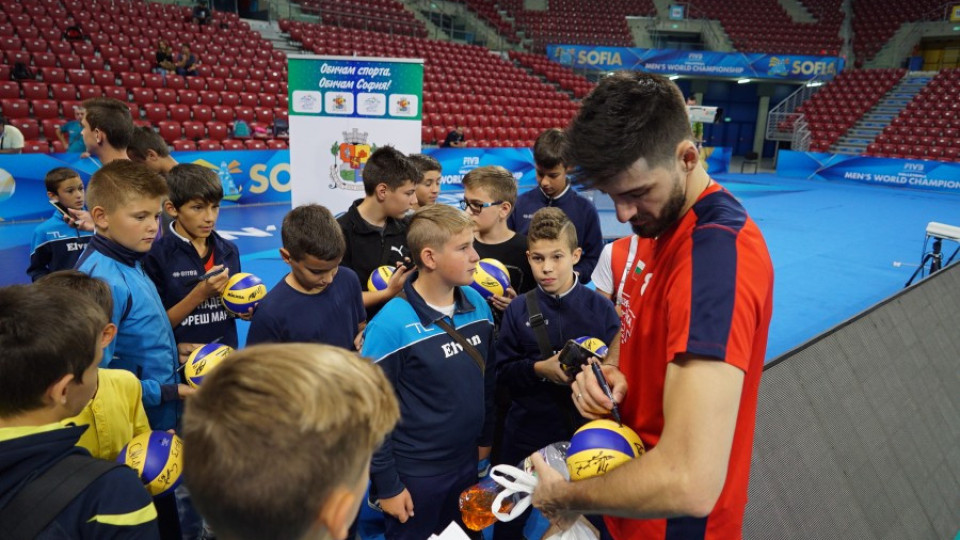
455, 139
11, 139
201, 13
73, 129
186, 62
148, 147
107, 128
164, 56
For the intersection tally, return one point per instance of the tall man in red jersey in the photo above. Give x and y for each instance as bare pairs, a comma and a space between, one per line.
694, 325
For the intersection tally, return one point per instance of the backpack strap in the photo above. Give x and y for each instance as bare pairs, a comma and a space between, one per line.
467, 347
538, 324
44, 497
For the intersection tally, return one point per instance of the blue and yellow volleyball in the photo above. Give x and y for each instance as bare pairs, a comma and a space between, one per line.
202, 361
595, 346
491, 278
601, 446
243, 291
380, 278
157, 456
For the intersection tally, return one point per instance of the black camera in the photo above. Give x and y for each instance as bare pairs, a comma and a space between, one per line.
572, 356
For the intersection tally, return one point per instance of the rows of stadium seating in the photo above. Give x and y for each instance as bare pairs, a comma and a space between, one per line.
387, 16
838, 105
240, 76
929, 126
562, 76
579, 21
876, 21
764, 26
498, 103
488, 12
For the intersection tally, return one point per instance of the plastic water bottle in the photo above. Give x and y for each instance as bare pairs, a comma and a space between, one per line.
477, 500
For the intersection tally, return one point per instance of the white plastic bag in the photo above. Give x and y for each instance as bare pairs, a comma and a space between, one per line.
516, 481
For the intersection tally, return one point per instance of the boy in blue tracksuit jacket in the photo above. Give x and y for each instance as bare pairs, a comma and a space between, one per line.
541, 411
56, 245
554, 190
445, 393
125, 199
188, 249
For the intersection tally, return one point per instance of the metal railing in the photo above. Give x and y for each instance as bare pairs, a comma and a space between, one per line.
801, 135
784, 113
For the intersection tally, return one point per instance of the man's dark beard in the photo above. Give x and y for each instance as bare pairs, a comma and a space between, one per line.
669, 216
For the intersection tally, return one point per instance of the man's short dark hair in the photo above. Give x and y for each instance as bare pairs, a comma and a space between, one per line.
312, 230
424, 164
45, 334
58, 175
112, 117
628, 116
389, 166
146, 138
548, 149
189, 181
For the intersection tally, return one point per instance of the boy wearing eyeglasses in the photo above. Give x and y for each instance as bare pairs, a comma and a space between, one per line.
488, 198
554, 190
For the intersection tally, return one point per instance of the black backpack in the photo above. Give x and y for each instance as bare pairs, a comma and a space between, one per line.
21, 72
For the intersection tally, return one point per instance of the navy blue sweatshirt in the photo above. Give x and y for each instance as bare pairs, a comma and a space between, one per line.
580, 211
541, 412
174, 267
56, 246
445, 398
115, 505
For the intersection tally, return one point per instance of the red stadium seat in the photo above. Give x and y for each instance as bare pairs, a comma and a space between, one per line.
116, 92
230, 99
166, 96
268, 100
143, 95
202, 113
276, 144
184, 145
216, 84
9, 90
88, 91
179, 112
155, 112
193, 130
222, 113
264, 115
28, 126
36, 147
44, 59
131, 79
245, 114
79, 76
176, 82
188, 97
196, 83
209, 98
45, 108
217, 131
233, 144
152, 80
93, 62
207, 144
51, 126
34, 90
255, 144
249, 100
169, 130
234, 85
71, 62
53, 75
104, 77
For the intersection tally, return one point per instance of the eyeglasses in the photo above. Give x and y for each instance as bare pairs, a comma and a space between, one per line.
477, 206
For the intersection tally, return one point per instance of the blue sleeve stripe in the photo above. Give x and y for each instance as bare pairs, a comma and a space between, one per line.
714, 274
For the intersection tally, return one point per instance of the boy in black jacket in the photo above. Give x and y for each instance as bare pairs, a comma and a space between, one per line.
541, 411
188, 249
373, 226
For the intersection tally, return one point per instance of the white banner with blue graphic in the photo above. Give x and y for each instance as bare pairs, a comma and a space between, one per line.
704, 63
341, 110
901, 173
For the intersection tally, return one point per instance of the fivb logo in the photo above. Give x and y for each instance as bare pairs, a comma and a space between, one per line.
913, 167
469, 163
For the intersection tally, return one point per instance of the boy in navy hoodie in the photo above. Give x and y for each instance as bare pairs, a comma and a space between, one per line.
319, 301
56, 245
435, 346
188, 249
541, 411
554, 190
50, 348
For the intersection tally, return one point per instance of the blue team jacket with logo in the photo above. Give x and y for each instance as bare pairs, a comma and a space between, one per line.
144, 344
174, 267
56, 246
445, 399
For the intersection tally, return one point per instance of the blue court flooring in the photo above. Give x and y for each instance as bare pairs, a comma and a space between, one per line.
834, 245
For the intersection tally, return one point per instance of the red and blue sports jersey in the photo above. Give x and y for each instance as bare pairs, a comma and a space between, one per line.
703, 288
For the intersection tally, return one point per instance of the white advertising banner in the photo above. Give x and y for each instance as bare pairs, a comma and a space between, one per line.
341, 110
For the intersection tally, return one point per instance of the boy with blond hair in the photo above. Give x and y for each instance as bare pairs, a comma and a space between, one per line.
299, 422
540, 410
489, 194
115, 414
50, 347
124, 199
319, 301
435, 346
57, 245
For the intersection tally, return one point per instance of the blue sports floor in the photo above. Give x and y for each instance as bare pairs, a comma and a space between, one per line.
833, 244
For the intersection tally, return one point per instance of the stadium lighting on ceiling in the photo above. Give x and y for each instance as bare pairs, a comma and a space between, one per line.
743, 81
814, 84
674, 77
